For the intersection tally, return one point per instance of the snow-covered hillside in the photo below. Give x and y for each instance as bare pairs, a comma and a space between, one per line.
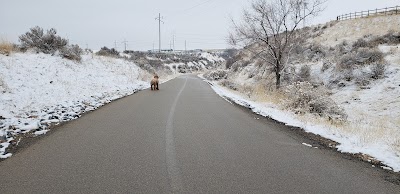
351, 30
38, 90
41, 90
334, 64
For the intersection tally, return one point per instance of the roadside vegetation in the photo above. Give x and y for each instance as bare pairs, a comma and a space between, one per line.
330, 75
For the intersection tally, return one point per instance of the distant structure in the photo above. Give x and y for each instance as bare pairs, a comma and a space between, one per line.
369, 13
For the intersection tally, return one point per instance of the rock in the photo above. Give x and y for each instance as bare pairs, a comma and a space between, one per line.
3, 138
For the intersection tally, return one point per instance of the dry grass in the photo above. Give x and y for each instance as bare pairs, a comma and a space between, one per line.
377, 26
6, 48
261, 93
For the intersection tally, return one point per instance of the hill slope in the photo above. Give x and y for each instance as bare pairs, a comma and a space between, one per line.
343, 83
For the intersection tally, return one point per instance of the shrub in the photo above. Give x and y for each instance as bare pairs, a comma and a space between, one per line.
229, 53
326, 65
104, 51
72, 52
289, 73
238, 65
368, 56
342, 48
47, 43
378, 70
216, 75
229, 62
155, 63
392, 38
360, 43
362, 81
303, 97
229, 84
305, 73
347, 61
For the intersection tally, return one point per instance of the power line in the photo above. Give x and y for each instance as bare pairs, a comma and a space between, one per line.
197, 5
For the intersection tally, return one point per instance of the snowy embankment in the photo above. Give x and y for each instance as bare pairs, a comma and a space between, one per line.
39, 90
348, 142
333, 62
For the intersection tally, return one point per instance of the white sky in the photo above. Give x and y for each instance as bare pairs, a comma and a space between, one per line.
202, 23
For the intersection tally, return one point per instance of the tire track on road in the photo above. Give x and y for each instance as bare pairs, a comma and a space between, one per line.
174, 173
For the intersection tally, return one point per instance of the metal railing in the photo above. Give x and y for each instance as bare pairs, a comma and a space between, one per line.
375, 12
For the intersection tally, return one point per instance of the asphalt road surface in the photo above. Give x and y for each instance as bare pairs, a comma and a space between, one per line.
181, 139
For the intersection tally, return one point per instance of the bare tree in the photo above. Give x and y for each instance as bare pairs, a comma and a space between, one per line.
269, 28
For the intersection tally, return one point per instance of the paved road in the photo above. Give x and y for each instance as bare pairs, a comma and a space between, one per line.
181, 139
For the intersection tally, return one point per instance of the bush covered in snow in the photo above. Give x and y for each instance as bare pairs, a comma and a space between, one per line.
391, 38
326, 65
216, 75
304, 73
229, 84
368, 56
303, 97
342, 48
47, 43
362, 56
361, 43
378, 70
346, 61
315, 52
72, 52
104, 51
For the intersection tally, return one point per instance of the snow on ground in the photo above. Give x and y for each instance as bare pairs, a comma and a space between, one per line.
373, 123
376, 25
37, 90
211, 57
350, 141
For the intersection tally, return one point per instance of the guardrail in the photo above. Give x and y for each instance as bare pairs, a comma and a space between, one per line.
375, 12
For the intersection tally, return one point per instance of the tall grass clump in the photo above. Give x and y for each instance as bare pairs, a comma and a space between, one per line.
6, 48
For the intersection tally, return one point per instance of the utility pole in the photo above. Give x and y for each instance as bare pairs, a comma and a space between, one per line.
125, 43
173, 42
304, 14
159, 31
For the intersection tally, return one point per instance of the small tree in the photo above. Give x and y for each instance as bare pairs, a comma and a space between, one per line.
269, 29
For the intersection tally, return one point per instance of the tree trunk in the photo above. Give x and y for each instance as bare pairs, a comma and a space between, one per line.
278, 72
278, 80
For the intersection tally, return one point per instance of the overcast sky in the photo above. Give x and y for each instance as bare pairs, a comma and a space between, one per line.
203, 24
